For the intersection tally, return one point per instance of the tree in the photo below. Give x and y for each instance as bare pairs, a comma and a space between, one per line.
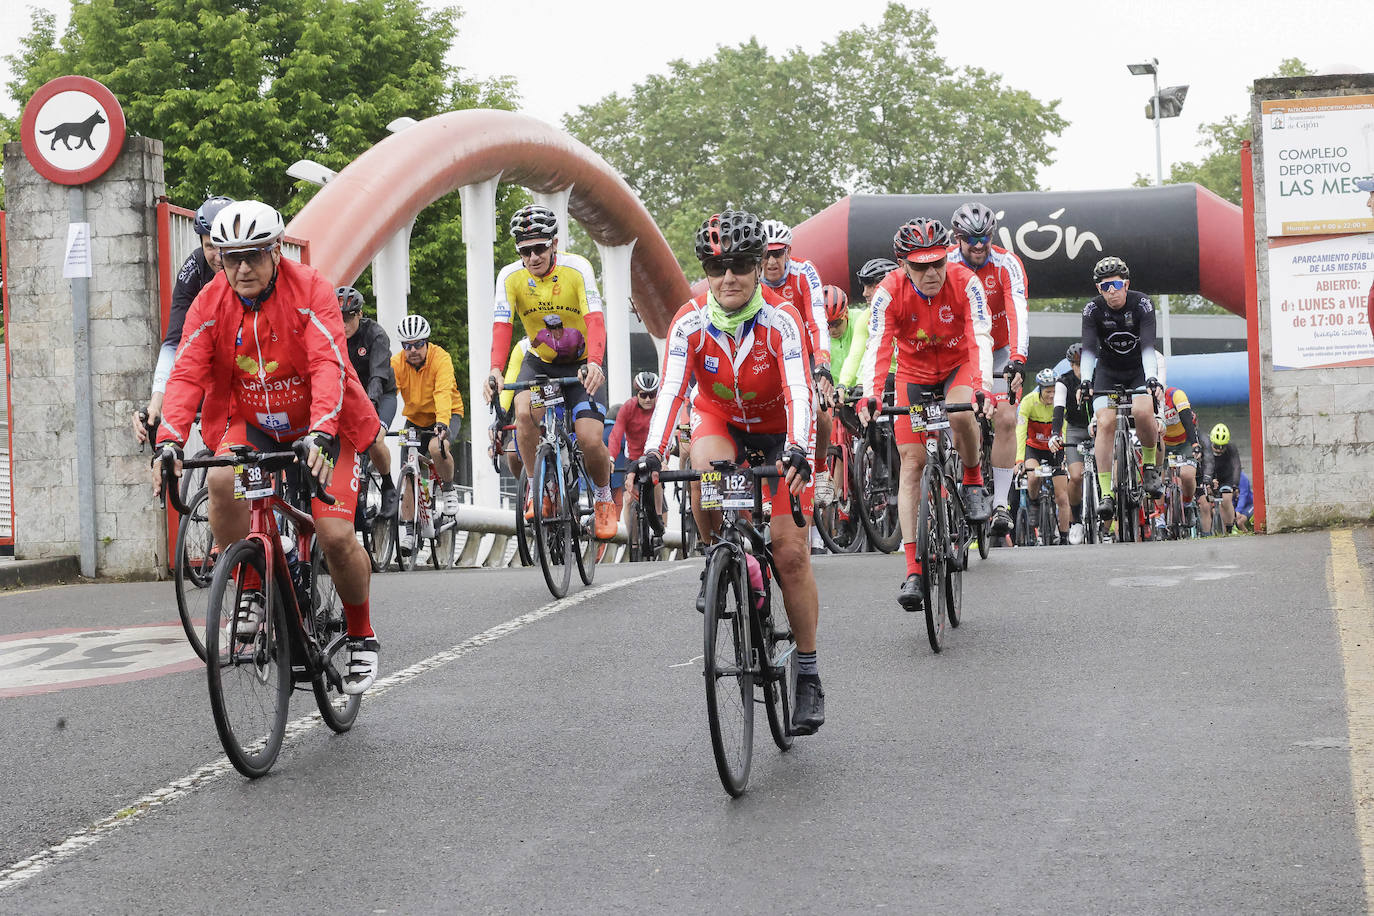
875, 110
239, 89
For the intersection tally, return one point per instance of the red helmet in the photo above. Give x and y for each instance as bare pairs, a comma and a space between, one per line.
921, 241
836, 303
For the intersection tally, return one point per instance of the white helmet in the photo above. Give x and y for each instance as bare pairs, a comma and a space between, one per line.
246, 224
413, 327
776, 232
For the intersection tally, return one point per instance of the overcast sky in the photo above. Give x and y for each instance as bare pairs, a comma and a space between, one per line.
572, 52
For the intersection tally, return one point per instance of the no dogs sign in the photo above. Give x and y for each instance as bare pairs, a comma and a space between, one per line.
73, 130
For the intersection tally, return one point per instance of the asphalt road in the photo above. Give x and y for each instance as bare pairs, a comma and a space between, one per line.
1116, 729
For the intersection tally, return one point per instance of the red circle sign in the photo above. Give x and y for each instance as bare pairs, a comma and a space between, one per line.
73, 130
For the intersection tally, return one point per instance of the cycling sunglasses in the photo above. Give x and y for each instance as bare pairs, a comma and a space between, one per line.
250, 256
740, 267
975, 240
534, 251
414, 344
1111, 285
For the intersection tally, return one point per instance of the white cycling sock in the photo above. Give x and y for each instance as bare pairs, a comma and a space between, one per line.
1001, 486
602, 494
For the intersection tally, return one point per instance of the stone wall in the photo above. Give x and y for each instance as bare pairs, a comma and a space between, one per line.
1318, 423
121, 208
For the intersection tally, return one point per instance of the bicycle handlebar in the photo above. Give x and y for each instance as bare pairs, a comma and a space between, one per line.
563, 380
651, 508
268, 461
903, 411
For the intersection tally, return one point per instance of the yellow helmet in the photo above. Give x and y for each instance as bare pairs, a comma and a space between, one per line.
1221, 435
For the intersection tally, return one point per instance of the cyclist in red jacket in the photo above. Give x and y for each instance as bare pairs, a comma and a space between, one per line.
264, 345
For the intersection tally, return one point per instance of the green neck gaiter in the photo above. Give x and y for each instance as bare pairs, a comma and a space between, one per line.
730, 322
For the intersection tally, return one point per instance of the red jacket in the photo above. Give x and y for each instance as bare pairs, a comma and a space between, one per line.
306, 330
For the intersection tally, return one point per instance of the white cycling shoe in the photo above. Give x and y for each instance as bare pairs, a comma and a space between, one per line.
362, 664
1076, 533
450, 500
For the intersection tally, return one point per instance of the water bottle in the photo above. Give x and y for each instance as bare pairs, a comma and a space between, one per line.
300, 574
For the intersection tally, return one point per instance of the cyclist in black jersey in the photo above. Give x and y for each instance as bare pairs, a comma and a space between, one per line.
196, 272
1220, 480
1074, 417
1119, 349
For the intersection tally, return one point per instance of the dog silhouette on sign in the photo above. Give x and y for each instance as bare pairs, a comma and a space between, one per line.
80, 130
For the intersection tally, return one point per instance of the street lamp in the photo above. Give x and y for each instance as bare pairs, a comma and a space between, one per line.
311, 171
401, 123
1166, 104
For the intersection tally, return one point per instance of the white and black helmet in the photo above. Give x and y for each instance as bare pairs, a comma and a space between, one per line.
533, 222
875, 270
973, 219
1045, 378
412, 328
646, 382
246, 224
776, 232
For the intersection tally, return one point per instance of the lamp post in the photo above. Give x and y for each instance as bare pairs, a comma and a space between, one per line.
1151, 68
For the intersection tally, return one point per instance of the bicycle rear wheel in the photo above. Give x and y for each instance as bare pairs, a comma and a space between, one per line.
553, 542
953, 583
193, 569
330, 629
585, 548
780, 687
443, 548
726, 661
410, 488
249, 677
877, 498
931, 546
837, 522
524, 528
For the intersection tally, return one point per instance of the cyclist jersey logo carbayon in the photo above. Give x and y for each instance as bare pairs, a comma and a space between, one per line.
270, 390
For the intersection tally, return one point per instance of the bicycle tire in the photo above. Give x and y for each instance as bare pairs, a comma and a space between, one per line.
330, 629
406, 559
779, 688
931, 548
635, 530
265, 663
1049, 516
443, 550
193, 569
524, 528
193, 481
953, 581
553, 544
582, 503
726, 657
878, 501
1021, 527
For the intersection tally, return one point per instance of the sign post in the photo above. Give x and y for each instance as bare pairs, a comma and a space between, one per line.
72, 131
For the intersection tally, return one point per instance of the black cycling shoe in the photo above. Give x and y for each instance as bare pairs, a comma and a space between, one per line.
1153, 484
976, 502
390, 499
1189, 515
809, 714
1001, 521
1106, 509
910, 597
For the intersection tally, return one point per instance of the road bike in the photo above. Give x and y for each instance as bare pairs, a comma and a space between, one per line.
1176, 527
749, 655
420, 487
943, 532
1022, 512
1045, 513
564, 510
838, 522
1095, 531
1127, 486
301, 636
876, 465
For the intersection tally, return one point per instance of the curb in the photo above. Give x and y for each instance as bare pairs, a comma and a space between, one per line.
46, 571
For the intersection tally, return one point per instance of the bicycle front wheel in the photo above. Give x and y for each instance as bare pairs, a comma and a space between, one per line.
553, 541
637, 530
443, 550
330, 629
406, 558
249, 674
729, 680
877, 498
193, 569
931, 547
524, 528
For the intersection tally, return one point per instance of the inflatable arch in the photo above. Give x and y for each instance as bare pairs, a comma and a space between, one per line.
378, 195
1177, 238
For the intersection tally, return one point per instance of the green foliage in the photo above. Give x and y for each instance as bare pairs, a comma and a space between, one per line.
237, 90
1219, 169
876, 110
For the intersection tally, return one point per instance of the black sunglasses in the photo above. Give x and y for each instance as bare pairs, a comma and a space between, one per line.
740, 267
250, 256
534, 251
414, 344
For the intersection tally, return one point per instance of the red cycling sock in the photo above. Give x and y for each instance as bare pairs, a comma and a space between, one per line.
913, 565
973, 477
252, 582
359, 620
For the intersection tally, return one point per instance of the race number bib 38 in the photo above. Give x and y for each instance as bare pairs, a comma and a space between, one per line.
252, 483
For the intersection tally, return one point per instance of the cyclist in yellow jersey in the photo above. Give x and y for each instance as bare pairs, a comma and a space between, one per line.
1034, 430
554, 297
432, 404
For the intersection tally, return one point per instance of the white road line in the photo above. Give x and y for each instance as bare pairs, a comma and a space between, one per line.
1355, 623
13, 875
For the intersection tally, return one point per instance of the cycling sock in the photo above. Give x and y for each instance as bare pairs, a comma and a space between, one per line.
1104, 483
913, 565
252, 582
602, 494
1147, 455
359, 620
1078, 513
806, 664
388, 483
1001, 485
973, 477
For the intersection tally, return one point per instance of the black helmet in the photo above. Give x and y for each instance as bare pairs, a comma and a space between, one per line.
875, 270
1110, 267
921, 234
533, 222
1074, 353
206, 213
731, 232
646, 382
350, 300
973, 219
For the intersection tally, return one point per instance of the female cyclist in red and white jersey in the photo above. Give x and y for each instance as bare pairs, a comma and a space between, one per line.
935, 314
748, 360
